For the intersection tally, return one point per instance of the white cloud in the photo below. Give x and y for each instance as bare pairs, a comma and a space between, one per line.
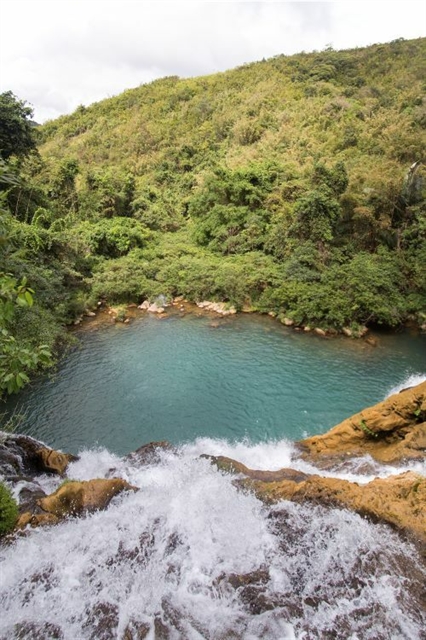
60, 53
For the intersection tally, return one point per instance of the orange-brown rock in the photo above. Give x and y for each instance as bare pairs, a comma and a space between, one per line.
397, 500
233, 466
54, 461
77, 498
35, 520
392, 431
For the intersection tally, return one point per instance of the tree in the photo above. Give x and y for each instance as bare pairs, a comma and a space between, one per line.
16, 129
316, 214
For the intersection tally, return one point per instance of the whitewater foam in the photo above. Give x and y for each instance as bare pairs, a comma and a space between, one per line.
190, 554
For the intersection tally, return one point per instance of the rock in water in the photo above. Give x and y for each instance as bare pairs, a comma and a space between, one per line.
392, 431
79, 497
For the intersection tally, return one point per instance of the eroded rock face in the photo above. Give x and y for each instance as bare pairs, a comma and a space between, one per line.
392, 431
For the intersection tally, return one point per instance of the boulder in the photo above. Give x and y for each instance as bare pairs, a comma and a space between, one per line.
154, 308
392, 431
320, 332
80, 497
144, 306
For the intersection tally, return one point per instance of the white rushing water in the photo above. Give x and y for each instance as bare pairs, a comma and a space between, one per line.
189, 556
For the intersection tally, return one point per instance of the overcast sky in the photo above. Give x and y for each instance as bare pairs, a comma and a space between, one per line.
57, 54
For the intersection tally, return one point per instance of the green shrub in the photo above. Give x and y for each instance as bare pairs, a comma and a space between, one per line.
8, 510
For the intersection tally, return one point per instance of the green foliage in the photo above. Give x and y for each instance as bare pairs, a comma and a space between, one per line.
16, 131
8, 510
230, 209
316, 214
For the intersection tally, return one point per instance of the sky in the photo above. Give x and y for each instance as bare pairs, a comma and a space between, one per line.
58, 54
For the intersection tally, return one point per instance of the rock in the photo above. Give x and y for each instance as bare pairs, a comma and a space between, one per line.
144, 306
347, 332
54, 461
89, 314
218, 307
80, 497
136, 630
149, 453
37, 631
233, 466
320, 332
371, 341
397, 500
24, 456
307, 328
36, 520
288, 322
392, 431
272, 314
154, 308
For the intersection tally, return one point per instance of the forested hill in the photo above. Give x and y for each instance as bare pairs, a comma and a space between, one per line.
283, 185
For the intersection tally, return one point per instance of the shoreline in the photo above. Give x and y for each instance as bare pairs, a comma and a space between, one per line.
125, 314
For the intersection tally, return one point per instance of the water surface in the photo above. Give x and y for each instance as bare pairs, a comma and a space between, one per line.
182, 378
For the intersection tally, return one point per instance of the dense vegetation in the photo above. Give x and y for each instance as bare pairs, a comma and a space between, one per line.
283, 185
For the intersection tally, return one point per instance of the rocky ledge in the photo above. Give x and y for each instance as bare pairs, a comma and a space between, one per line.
392, 431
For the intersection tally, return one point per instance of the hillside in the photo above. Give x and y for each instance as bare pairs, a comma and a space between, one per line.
282, 185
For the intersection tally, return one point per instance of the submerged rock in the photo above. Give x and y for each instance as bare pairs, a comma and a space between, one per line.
392, 431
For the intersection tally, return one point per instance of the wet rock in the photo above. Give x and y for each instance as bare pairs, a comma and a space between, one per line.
320, 332
288, 322
36, 520
155, 308
25, 456
37, 631
76, 498
149, 453
28, 496
233, 466
392, 431
397, 500
144, 306
136, 630
218, 307
102, 621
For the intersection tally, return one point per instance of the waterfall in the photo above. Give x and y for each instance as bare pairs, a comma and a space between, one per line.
189, 556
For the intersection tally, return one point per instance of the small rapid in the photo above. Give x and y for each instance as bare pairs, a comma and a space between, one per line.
189, 556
